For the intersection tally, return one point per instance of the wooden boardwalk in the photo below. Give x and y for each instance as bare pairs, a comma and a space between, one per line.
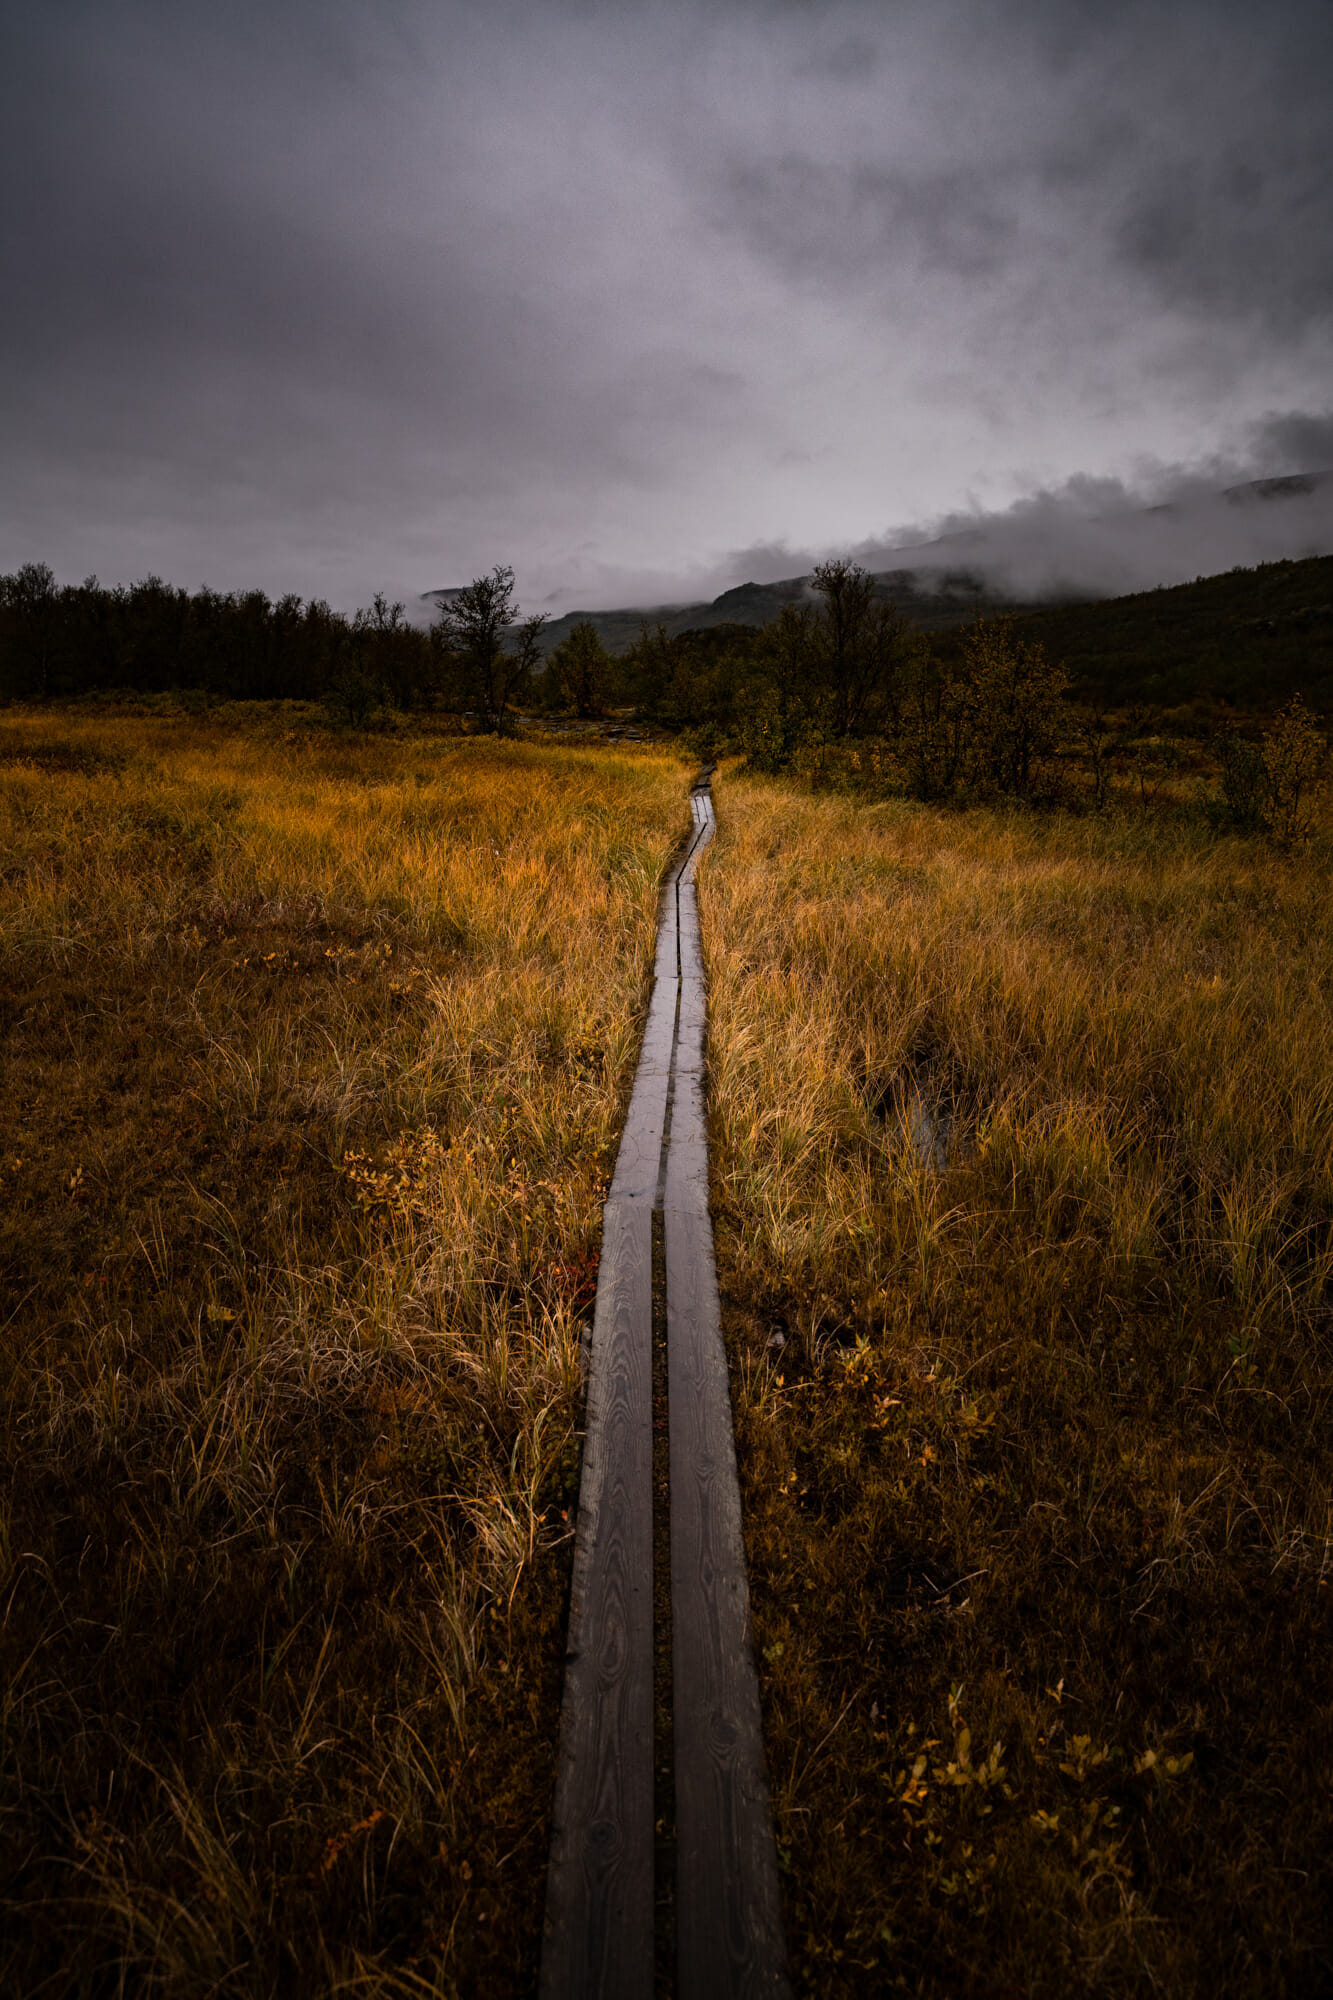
598, 1937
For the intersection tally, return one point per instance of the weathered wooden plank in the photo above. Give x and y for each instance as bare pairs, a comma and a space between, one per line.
701, 811
690, 1025
701, 806
687, 1159
691, 955
598, 1937
639, 1159
729, 1926
664, 958
729, 1922
686, 1183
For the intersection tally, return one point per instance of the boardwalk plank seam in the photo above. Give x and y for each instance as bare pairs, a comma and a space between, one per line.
598, 1936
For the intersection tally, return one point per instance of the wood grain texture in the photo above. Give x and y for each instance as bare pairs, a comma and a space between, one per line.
639, 1159
690, 1024
729, 1921
598, 1928
598, 1937
691, 958
686, 1184
729, 1926
664, 957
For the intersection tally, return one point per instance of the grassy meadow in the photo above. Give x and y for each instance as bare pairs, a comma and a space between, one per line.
1023, 1185
313, 1055
314, 1052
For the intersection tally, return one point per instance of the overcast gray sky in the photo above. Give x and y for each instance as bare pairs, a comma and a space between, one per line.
642, 298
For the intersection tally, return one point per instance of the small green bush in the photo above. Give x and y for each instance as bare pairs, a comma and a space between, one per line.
1271, 783
1292, 753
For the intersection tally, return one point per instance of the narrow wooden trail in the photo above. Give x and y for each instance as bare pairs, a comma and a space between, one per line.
599, 1929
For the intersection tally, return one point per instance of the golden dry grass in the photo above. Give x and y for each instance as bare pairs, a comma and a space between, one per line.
315, 1051
1024, 1181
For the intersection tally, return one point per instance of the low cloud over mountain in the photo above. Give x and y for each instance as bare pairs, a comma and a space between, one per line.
1090, 538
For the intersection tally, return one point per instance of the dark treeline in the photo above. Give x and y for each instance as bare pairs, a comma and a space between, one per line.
832, 666
84, 639
843, 689
1247, 641
844, 669
828, 670
840, 681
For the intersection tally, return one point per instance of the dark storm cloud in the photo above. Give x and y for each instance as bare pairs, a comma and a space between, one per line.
340, 296
298, 274
1291, 441
194, 209
856, 223
1185, 152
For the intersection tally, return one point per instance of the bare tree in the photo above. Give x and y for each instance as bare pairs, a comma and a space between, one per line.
859, 645
492, 661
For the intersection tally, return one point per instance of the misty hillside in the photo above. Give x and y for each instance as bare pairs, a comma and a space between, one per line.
1088, 542
1250, 638
1247, 638
1038, 553
945, 597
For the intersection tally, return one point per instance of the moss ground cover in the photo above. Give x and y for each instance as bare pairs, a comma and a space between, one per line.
1023, 1178
313, 1053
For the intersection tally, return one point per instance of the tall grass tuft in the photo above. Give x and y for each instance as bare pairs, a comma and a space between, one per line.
1024, 1181
314, 1056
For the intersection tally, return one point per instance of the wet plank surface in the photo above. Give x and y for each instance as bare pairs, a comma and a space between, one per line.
638, 1163
599, 1908
599, 1914
729, 1923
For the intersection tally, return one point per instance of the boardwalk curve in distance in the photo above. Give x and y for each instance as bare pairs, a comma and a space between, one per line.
598, 1937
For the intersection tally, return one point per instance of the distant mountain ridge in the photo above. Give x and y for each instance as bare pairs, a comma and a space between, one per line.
956, 595
1034, 555
1290, 486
